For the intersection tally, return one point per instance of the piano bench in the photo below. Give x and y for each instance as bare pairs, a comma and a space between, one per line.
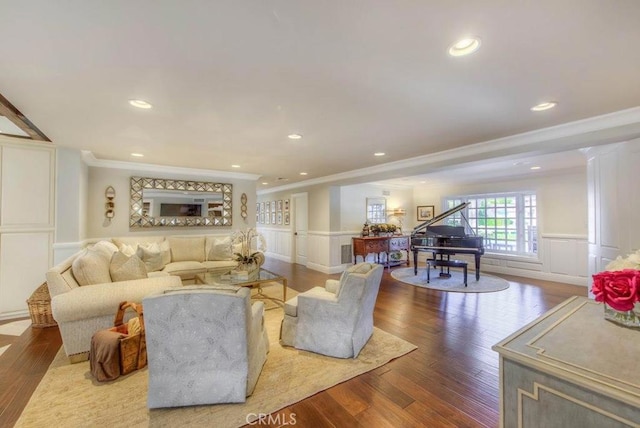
448, 264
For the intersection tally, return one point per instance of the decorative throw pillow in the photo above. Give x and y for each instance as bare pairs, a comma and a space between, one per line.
151, 256
124, 268
108, 247
187, 249
165, 250
91, 267
219, 248
128, 250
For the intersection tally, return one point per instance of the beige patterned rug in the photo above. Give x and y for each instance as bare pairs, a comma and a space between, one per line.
68, 396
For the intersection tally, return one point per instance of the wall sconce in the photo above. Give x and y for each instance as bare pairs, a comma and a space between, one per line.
110, 194
243, 206
397, 213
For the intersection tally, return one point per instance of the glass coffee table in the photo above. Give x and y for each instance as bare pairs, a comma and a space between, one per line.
254, 280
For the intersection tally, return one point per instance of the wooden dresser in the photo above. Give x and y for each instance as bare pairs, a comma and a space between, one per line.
570, 368
381, 244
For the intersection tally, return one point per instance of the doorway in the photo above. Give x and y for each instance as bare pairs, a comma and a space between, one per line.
300, 206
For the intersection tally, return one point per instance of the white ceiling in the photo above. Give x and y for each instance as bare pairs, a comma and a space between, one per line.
230, 79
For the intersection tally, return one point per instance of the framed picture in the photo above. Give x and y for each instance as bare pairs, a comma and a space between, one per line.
273, 218
279, 217
425, 212
273, 207
280, 205
267, 207
286, 218
286, 204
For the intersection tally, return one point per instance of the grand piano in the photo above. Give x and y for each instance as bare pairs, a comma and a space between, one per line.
444, 241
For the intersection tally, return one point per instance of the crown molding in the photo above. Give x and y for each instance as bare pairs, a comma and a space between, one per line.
605, 129
89, 158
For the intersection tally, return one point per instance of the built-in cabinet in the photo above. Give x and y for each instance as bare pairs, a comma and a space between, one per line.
27, 221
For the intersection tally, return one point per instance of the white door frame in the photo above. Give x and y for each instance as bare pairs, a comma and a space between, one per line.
300, 206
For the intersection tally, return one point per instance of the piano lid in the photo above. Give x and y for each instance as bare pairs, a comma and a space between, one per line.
440, 216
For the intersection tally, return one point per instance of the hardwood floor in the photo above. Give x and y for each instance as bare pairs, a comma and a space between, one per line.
451, 380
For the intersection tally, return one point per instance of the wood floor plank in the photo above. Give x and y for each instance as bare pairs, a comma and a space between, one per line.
451, 380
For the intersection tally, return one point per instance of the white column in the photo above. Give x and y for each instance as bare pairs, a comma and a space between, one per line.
613, 175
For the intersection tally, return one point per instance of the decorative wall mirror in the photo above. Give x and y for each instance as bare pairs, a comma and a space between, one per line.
376, 210
157, 202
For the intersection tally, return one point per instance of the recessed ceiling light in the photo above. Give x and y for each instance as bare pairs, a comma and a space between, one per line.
140, 103
535, 167
235, 166
294, 136
379, 154
465, 46
265, 183
544, 106
422, 182
303, 173
137, 155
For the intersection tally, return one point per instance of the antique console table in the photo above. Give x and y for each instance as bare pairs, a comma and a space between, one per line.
381, 244
570, 368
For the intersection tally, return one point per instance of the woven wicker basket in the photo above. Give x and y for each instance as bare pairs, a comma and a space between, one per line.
40, 308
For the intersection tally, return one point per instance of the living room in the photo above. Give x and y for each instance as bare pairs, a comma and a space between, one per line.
356, 117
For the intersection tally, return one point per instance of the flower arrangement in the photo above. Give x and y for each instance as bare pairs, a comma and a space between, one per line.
383, 228
242, 242
619, 288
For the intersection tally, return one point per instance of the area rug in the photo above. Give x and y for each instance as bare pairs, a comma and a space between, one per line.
486, 283
68, 396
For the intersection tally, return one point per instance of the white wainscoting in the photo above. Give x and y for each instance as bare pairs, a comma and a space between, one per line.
63, 250
278, 242
561, 258
27, 190
325, 250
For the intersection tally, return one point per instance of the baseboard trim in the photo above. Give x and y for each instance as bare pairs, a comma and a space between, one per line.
545, 276
14, 315
280, 257
326, 269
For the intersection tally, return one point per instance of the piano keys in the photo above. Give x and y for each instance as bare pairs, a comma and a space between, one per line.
443, 240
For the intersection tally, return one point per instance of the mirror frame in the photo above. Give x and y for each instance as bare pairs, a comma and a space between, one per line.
139, 184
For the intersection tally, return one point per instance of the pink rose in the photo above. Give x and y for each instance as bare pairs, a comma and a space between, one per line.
618, 289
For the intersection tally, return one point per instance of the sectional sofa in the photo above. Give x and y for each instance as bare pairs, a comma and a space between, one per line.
87, 287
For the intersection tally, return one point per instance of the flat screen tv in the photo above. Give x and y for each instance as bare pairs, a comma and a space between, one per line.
180, 210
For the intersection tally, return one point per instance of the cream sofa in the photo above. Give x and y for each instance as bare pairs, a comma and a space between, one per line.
85, 292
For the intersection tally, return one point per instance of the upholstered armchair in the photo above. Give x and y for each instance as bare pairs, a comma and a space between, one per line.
337, 319
205, 345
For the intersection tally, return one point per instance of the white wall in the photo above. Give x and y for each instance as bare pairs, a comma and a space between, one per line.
27, 219
279, 237
614, 202
562, 223
354, 203
101, 178
562, 215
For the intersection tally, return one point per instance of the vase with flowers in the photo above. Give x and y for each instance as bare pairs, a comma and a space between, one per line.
248, 249
618, 288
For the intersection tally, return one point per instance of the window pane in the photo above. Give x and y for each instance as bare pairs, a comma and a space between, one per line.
507, 222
